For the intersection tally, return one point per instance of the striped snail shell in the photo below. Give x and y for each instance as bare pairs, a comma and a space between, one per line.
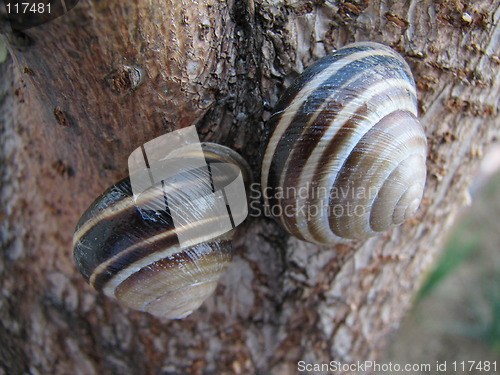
345, 154
132, 253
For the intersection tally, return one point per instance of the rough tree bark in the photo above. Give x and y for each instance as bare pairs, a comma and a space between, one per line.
91, 86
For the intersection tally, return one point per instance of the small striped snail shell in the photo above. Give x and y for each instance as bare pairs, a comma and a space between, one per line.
132, 253
345, 154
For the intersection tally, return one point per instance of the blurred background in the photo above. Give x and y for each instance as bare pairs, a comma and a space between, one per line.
456, 316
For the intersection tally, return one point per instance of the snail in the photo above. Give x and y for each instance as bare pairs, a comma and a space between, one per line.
345, 153
132, 252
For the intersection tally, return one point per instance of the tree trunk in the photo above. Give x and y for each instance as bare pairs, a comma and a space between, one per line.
91, 86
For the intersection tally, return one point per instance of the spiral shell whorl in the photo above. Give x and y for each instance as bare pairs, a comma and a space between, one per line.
132, 253
346, 154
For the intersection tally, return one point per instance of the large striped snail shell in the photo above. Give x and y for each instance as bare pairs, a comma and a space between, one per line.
345, 154
133, 253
